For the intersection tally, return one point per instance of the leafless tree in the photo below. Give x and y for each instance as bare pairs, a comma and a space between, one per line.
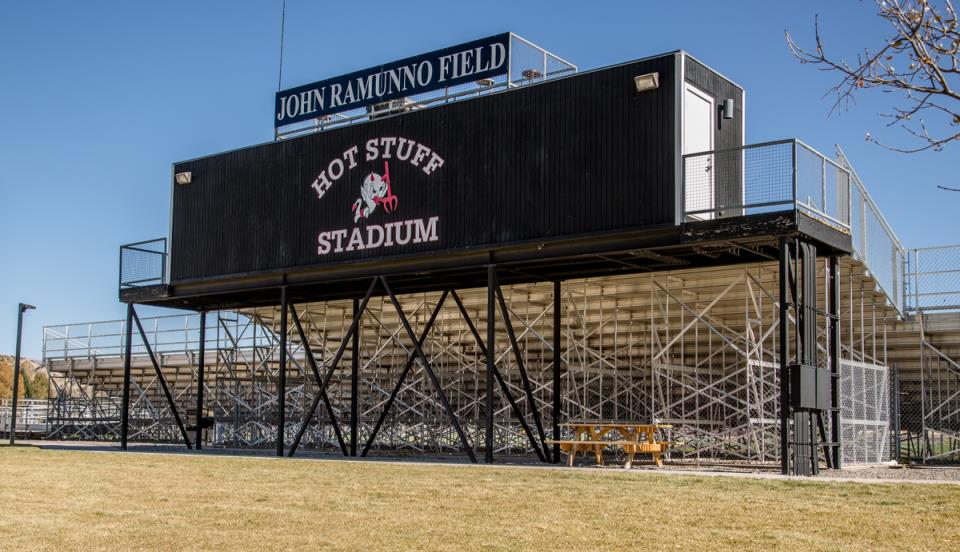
918, 61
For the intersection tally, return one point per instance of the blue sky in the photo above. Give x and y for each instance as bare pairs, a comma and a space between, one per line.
97, 99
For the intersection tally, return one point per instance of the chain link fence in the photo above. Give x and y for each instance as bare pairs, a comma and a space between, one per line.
927, 409
929, 394
864, 412
933, 279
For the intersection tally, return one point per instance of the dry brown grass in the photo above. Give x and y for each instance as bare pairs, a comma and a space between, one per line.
90, 500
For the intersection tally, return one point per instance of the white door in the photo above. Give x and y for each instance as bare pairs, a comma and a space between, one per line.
699, 112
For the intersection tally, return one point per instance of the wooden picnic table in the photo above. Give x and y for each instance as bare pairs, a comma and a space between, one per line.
634, 438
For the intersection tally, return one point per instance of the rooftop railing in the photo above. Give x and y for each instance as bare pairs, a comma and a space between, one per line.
143, 264
784, 175
788, 175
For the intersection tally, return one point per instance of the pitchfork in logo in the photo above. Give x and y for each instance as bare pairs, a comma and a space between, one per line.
374, 191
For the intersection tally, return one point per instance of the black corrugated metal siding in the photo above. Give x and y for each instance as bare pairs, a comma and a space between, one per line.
728, 134
575, 156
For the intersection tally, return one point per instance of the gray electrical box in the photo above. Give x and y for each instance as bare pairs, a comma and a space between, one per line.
809, 388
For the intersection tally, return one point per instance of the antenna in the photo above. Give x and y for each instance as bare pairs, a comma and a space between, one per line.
283, 25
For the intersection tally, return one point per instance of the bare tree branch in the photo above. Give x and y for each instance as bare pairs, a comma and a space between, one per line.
919, 60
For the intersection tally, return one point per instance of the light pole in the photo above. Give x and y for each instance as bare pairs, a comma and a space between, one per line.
21, 308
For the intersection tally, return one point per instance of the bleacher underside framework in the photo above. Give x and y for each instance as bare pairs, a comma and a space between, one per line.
693, 348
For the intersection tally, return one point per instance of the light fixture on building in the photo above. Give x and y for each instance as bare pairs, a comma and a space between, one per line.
727, 109
183, 177
650, 81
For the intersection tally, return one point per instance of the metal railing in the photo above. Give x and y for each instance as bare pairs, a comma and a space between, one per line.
783, 175
789, 175
143, 263
527, 64
169, 334
31, 416
932, 279
874, 242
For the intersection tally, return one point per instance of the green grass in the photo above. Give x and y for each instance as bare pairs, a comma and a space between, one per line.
89, 500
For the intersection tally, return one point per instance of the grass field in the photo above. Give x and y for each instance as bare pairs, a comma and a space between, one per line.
105, 500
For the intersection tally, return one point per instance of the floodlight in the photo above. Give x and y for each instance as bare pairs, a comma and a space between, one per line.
650, 81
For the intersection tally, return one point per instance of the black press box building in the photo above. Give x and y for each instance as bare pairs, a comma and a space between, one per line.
386, 183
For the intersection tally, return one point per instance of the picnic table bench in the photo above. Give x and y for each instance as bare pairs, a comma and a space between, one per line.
634, 438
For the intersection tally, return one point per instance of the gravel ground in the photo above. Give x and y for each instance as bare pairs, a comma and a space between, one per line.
859, 472
925, 473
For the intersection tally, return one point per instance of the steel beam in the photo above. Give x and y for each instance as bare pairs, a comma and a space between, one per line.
491, 363
354, 381
784, 360
282, 375
524, 378
161, 379
426, 366
125, 400
322, 392
503, 384
411, 358
834, 318
198, 438
333, 366
556, 370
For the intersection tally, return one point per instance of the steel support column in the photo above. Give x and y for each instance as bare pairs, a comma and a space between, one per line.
125, 398
556, 370
331, 367
198, 437
426, 366
162, 380
834, 318
503, 384
491, 351
524, 378
282, 376
321, 393
784, 359
354, 380
411, 358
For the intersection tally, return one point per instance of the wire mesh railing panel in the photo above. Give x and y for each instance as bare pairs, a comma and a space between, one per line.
864, 413
143, 263
740, 181
762, 178
822, 187
810, 190
766, 176
837, 182
874, 242
933, 278
883, 257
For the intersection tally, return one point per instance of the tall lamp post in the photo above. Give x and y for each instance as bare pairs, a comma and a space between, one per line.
21, 308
